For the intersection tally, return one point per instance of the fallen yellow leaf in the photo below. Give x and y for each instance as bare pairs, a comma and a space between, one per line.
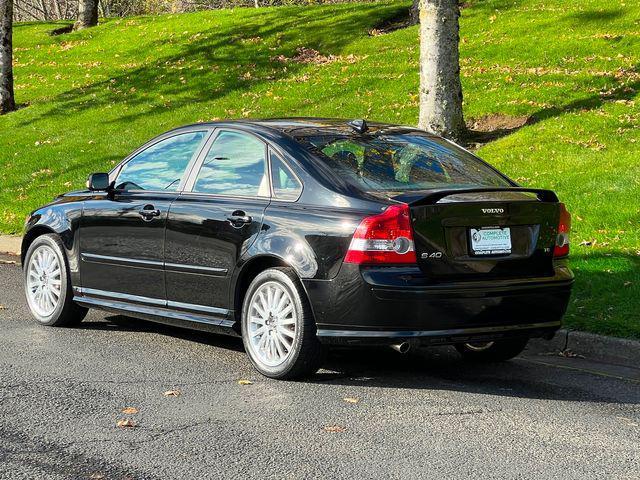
172, 393
245, 382
130, 410
126, 423
334, 428
351, 400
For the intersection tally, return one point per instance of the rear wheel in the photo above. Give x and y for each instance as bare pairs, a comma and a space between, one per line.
47, 284
496, 351
278, 329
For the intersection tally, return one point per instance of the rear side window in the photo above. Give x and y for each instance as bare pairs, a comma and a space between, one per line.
285, 185
398, 162
161, 166
235, 165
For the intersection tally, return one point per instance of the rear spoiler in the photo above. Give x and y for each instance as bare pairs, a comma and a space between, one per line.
432, 197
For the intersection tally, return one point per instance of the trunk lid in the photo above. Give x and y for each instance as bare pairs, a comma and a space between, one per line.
484, 233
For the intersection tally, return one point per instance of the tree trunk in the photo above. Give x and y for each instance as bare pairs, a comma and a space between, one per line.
440, 87
414, 13
87, 14
45, 10
56, 9
7, 100
105, 7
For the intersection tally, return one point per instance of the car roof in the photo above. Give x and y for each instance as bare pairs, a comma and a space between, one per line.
302, 126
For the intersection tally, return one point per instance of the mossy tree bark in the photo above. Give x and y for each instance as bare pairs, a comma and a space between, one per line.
440, 87
7, 99
87, 14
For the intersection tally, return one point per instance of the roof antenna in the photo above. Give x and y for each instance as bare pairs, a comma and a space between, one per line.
359, 126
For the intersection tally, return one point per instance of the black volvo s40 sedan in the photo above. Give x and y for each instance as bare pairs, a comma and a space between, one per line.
298, 233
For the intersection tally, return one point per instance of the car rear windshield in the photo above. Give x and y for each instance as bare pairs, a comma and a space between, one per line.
399, 162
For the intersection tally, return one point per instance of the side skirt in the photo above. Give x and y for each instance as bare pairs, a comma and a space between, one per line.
208, 319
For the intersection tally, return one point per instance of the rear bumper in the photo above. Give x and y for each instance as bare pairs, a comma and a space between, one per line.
438, 337
387, 305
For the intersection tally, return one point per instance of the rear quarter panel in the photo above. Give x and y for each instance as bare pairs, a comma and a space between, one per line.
312, 240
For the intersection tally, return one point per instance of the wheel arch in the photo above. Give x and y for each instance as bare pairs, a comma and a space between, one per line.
30, 236
250, 270
60, 217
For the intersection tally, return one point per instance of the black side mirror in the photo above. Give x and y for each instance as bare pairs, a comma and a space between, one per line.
98, 181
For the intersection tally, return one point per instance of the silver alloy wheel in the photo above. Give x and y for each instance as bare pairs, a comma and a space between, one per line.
479, 346
44, 281
272, 324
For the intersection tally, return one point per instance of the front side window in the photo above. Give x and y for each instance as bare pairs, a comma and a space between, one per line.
399, 162
235, 165
285, 185
161, 166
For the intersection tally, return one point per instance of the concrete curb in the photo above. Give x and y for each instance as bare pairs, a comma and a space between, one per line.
10, 244
619, 351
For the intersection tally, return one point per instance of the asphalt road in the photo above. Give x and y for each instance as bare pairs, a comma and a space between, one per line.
426, 414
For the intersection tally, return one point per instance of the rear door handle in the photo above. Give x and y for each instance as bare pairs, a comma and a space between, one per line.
149, 212
238, 219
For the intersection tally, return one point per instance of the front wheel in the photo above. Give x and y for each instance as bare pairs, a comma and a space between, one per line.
47, 285
496, 351
278, 329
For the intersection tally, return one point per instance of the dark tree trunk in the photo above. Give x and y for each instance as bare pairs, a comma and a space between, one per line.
7, 100
414, 13
440, 87
87, 14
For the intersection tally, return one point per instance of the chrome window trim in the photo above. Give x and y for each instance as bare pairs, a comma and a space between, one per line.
208, 131
213, 196
295, 175
188, 187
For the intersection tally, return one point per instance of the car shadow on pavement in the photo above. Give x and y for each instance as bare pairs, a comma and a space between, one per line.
124, 323
441, 368
434, 368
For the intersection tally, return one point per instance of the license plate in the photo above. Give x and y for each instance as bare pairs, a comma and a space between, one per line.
490, 241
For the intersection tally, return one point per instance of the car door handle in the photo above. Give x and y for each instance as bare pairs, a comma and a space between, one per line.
148, 212
238, 219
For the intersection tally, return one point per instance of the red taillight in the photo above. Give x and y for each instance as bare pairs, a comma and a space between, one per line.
561, 248
384, 238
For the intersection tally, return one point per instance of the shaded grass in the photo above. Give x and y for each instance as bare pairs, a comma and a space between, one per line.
606, 294
90, 97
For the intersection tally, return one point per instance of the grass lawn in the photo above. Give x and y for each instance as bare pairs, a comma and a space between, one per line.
571, 68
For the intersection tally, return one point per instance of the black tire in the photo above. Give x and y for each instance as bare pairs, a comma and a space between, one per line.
67, 312
497, 351
306, 353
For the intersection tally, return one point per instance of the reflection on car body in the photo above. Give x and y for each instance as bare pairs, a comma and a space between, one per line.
301, 233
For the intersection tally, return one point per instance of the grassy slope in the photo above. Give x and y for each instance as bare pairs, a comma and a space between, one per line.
574, 67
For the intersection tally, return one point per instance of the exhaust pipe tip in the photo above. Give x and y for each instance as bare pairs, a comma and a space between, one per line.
403, 347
